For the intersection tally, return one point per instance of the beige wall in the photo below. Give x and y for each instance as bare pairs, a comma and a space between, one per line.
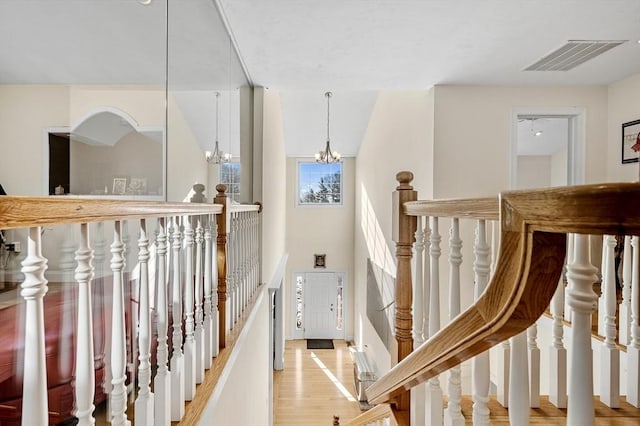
623, 107
273, 183
534, 171
399, 137
25, 111
473, 133
321, 229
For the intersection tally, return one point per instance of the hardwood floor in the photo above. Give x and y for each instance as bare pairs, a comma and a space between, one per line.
314, 386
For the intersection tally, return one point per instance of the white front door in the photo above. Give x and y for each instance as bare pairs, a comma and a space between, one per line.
322, 307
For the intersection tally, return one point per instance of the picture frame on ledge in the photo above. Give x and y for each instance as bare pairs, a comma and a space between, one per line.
630, 141
119, 186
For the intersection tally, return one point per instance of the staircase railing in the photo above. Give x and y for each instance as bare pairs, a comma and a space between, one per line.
520, 281
94, 328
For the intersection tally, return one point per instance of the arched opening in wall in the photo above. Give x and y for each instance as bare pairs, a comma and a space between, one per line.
106, 154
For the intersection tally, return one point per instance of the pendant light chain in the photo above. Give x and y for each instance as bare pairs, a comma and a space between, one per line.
327, 156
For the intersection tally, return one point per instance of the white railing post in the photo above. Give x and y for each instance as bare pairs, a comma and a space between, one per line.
85, 380
633, 349
581, 299
519, 381
177, 358
609, 353
417, 393
557, 351
433, 391
453, 413
625, 305
35, 408
144, 401
101, 338
199, 314
534, 366
118, 396
189, 340
215, 312
480, 363
162, 379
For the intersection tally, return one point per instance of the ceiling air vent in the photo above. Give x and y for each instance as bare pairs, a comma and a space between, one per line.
572, 54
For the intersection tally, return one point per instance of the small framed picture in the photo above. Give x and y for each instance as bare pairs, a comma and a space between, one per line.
630, 141
138, 185
320, 261
119, 186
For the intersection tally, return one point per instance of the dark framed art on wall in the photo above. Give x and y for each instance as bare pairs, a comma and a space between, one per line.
630, 141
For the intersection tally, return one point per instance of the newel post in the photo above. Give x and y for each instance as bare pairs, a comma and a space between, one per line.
404, 228
223, 229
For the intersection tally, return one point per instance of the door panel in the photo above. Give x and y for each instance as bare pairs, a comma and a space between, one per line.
320, 306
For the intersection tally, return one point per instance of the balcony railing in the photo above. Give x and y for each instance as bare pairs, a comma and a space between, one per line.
102, 326
519, 272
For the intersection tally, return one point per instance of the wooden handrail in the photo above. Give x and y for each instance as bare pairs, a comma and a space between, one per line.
468, 208
530, 261
26, 212
378, 413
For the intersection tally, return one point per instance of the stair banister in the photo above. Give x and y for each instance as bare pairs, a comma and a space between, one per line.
534, 224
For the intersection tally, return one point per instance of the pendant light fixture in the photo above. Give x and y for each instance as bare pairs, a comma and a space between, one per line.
217, 156
327, 156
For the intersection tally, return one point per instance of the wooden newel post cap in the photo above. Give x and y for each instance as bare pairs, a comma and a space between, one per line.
221, 188
404, 178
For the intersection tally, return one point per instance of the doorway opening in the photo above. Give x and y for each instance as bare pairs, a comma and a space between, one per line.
547, 148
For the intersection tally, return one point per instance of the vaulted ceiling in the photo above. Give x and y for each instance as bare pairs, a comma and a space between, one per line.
304, 48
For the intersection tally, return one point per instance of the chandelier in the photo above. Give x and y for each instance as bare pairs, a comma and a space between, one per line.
326, 155
217, 156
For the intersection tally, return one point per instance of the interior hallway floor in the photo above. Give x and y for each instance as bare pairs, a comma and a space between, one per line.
315, 385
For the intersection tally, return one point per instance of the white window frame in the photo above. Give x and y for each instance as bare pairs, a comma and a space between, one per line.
229, 194
297, 188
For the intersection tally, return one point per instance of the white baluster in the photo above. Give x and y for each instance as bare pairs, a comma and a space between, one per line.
480, 363
66, 358
581, 299
189, 340
557, 352
34, 408
231, 247
208, 322
633, 349
534, 366
162, 379
601, 303
199, 314
453, 414
418, 392
519, 381
85, 380
215, 313
609, 353
144, 401
132, 326
101, 338
118, 396
177, 358
625, 305
569, 259
433, 391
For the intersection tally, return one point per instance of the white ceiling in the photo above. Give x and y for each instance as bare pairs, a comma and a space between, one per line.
414, 44
354, 48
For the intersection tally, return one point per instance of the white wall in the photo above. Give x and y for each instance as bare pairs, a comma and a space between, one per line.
623, 107
399, 137
241, 396
534, 171
473, 133
325, 229
24, 112
273, 182
27, 110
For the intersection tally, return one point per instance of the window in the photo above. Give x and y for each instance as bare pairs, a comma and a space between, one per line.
319, 183
230, 176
